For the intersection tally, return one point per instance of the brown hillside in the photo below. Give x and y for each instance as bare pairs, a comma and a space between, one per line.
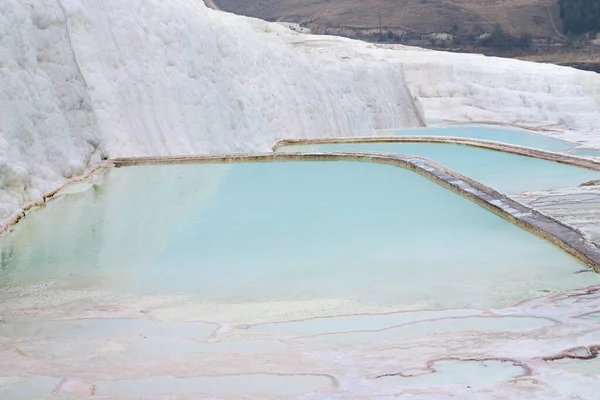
535, 18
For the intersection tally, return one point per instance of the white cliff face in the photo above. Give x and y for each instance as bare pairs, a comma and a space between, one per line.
47, 127
476, 88
562, 102
176, 78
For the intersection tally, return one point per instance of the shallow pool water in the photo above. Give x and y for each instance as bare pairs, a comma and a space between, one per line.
507, 173
575, 366
498, 134
456, 373
287, 231
311, 280
265, 385
585, 152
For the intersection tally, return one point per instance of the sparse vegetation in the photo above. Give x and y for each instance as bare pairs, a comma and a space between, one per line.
502, 40
580, 16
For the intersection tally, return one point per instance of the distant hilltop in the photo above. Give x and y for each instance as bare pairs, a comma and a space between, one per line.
534, 18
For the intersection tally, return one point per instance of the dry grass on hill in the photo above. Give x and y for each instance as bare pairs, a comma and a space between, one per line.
536, 18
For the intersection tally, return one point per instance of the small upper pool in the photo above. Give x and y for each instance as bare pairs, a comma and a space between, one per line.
505, 172
585, 152
355, 234
517, 137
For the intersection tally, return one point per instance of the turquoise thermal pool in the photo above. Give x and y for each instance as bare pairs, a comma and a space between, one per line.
349, 232
485, 132
585, 152
505, 172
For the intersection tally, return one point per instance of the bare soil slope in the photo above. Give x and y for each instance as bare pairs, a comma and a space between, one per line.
535, 18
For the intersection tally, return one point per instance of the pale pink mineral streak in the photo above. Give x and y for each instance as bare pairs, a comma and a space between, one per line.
75, 386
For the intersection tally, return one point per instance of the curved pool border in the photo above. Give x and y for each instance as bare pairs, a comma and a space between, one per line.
581, 162
562, 235
15, 217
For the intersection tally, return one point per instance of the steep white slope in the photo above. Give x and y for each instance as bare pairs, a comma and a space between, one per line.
564, 102
467, 87
47, 126
175, 77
